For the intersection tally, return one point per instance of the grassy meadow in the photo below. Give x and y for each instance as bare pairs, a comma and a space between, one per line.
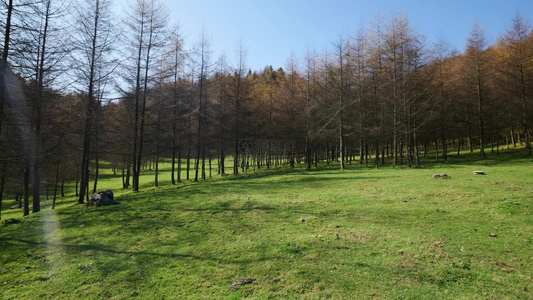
359, 233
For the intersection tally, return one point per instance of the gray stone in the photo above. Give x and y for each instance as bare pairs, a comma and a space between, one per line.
242, 282
438, 175
102, 198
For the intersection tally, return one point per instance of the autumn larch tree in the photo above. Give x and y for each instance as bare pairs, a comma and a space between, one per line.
476, 73
518, 68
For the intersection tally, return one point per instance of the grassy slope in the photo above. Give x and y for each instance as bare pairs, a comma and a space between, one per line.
387, 233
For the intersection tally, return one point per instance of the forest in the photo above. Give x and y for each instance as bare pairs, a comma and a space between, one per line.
81, 89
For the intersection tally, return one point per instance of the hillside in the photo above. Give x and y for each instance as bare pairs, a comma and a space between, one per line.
325, 233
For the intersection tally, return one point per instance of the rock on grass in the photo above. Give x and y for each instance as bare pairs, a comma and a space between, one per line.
242, 282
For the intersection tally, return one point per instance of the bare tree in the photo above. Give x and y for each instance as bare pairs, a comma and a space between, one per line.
94, 39
39, 52
203, 57
310, 104
177, 54
442, 98
371, 79
147, 23
222, 90
340, 86
238, 98
293, 97
3, 86
5, 54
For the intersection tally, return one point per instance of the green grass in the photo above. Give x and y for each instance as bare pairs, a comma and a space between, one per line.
385, 234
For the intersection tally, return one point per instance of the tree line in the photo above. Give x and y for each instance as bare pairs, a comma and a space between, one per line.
80, 89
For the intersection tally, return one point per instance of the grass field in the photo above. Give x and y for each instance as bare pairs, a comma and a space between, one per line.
325, 233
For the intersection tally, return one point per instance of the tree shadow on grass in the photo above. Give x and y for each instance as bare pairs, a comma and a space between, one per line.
492, 159
250, 186
78, 249
107, 266
221, 206
323, 170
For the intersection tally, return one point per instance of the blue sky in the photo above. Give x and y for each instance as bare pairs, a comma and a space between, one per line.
272, 29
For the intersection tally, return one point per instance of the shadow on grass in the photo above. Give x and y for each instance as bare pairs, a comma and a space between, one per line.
512, 156
243, 186
78, 249
248, 206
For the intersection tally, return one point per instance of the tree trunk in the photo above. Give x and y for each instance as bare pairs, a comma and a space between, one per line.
210, 167
62, 187
222, 161
481, 122
56, 181
382, 149
308, 154
376, 161
417, 148
341, 145
124, 176
156, 172
189, 141
327, 151
77, 184
361, 151
27, 189
436, 150
7, 34
179, 160
157, 149
511, 122
366, 154
96, 170
173, 164
316, 154
401, 151
444, 146
2, 184
3, 62
128, 174
203, 160
470, 145
525, 123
